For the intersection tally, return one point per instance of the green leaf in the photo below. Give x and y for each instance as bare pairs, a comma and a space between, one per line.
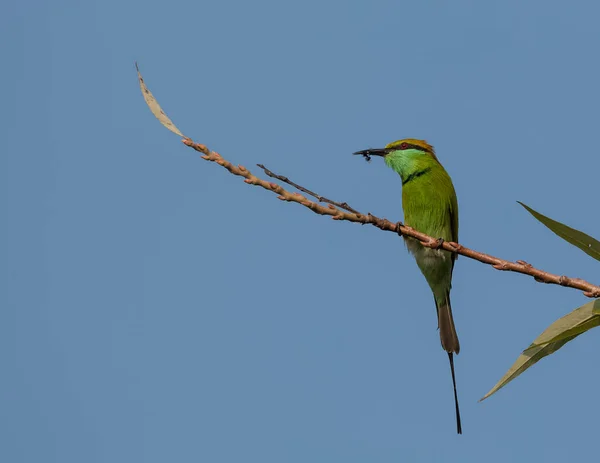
569, 326
553, 338
586, 243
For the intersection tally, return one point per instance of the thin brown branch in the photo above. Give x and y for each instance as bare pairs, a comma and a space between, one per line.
321, 199
519, 266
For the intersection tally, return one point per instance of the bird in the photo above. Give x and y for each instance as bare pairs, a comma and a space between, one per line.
430, 206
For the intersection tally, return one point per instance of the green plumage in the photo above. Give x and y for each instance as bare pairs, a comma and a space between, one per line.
430, 206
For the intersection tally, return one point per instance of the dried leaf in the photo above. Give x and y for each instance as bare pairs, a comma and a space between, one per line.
553, 338
155, 107
586, 243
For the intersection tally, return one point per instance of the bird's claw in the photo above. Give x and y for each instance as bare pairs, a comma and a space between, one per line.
398, 230
440, 243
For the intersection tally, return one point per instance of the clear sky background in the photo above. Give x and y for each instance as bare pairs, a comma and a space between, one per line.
155, 308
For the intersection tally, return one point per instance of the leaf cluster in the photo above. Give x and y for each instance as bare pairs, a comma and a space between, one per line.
564, 329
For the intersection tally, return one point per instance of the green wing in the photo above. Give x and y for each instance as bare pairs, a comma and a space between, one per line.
454, 222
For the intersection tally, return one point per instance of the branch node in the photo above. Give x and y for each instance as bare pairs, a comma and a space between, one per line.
525, 264
429, 242
455, 246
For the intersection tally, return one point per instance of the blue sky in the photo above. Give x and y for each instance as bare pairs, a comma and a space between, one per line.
156, 308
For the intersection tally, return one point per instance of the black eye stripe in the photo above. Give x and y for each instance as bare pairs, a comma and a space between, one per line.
408, 146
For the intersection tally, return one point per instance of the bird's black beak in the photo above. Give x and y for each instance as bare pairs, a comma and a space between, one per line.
372, 152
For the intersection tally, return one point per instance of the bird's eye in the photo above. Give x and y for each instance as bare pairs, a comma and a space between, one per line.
404, 145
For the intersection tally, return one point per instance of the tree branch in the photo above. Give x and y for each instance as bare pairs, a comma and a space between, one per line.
351, 215
321, 199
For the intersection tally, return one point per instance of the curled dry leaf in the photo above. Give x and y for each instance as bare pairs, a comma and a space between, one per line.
155, 107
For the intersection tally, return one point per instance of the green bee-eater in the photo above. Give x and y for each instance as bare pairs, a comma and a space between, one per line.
430, 206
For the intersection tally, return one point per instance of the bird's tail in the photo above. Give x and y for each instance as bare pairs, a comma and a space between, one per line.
458, 425
448, 334
450, 344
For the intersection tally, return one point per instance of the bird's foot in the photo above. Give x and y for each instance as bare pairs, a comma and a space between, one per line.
440, 243
398, 230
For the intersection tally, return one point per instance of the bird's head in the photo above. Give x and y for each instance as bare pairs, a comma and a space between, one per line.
409, 147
